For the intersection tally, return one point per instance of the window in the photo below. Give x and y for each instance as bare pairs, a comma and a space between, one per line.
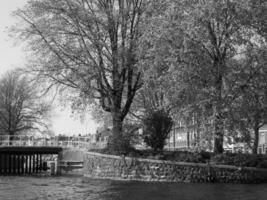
260, 150
262, 138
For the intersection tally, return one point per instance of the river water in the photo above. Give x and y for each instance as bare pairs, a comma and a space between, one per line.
80, 188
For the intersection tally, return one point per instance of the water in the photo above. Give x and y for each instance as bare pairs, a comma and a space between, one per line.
79, 188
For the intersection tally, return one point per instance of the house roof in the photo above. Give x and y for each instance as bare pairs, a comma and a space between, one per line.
103, 132
263, 128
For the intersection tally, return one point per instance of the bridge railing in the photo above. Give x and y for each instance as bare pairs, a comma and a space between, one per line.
70, 142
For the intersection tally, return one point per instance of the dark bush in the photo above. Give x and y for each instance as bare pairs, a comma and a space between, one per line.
157, 126
233, 159
205, 156
124, 148
178, 156
243, 160
262, 164
127, 140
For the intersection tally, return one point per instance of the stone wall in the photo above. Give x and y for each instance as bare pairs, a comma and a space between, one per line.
125, 168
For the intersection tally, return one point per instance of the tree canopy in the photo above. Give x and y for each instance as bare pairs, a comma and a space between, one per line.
21, 110
194, 59
89, 46
196, 46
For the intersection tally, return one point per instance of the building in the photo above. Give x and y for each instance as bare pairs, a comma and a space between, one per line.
180, 137
262, 140
201, 138
102, 134
189, 136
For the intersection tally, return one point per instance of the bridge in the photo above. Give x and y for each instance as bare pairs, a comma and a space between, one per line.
56, 141
25, 154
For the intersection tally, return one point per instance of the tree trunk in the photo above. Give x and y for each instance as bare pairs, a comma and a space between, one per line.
116, 140
11, 138
218, 133
188, 139
197, 134
256, 132
218, 118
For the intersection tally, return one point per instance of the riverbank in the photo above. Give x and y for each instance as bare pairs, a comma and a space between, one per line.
103, 166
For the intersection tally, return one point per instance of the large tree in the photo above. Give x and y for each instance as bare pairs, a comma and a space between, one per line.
89, 46
249, 110
197, 41
21, 109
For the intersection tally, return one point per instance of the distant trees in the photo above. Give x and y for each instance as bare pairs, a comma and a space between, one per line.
21, 111
249, 110
89, 46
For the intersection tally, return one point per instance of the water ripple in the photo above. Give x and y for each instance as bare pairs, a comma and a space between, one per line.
79, 188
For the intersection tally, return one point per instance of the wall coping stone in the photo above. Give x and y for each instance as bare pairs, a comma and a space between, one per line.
175, 162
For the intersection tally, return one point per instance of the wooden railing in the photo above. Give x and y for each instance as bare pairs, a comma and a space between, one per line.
74, 142
67, 142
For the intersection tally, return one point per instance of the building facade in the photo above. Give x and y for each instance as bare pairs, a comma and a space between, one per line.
201, 137
190, 136
262, 145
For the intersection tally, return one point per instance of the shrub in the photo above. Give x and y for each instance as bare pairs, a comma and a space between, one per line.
205, 156
157, 126
244, 160
127, 140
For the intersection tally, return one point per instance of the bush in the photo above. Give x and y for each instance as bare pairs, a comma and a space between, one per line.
123, 144
243, 160
157, 126
178, 156
119, 145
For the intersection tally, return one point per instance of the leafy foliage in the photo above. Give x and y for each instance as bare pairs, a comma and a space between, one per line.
21, 110
88, 46
157, 126
243, 160
197, 47
249, 109
202, 61
234, 159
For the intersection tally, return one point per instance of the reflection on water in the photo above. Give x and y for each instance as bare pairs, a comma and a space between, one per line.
30, 188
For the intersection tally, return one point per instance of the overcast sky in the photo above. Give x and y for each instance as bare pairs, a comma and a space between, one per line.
12, 56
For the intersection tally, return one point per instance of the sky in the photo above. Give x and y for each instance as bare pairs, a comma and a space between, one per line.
12, 56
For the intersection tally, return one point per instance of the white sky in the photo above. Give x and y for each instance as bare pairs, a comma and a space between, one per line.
12, 56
